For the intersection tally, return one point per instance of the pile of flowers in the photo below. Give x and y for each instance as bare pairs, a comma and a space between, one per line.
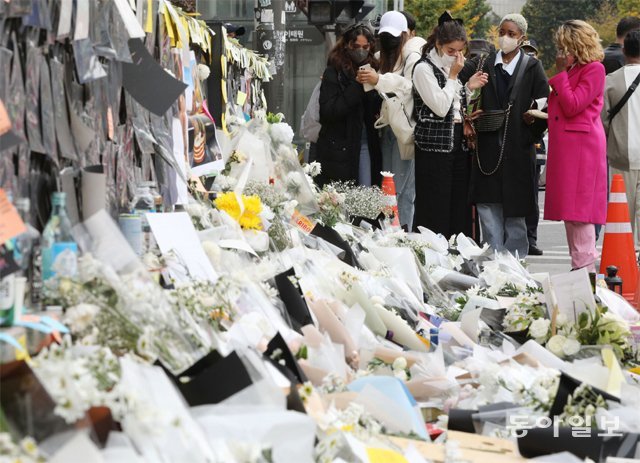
315, 311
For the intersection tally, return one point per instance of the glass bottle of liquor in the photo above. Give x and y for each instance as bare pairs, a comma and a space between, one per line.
25, 253
59, 250
142, 204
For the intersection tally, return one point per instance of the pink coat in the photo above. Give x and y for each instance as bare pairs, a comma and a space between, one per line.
576, 187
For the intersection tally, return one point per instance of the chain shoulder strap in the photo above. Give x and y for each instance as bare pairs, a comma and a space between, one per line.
504, 140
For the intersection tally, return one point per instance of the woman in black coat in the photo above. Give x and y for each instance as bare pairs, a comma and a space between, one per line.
502, 178
348, 146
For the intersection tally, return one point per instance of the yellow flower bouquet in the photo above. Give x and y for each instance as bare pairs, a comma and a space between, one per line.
248, 216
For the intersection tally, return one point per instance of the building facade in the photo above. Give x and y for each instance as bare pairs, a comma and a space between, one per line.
306, 48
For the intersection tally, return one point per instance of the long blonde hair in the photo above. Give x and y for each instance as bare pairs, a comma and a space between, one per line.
581, 40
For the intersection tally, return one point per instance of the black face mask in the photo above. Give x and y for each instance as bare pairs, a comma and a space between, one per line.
358, 55
389, 43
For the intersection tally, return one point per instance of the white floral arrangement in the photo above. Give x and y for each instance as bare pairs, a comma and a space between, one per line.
80, 378
25, 451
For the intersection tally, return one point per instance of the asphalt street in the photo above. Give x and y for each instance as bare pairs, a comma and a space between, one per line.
553, 241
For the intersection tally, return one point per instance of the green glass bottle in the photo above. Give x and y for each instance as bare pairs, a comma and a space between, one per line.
59, 249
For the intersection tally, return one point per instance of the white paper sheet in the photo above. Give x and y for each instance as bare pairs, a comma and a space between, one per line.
94, 191
80, 449
82, 20
189, 68
119, 449
542, 355
618, 304
290, 434
64, 22
178, 154
134, 29
175, 232
402, 263
237, 244
165, 432
573, 292
107, 243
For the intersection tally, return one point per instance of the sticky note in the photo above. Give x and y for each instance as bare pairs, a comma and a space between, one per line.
616, 377
11, 225
241, 98
5, 122
148, 24
23, 354
223, 86
384, 456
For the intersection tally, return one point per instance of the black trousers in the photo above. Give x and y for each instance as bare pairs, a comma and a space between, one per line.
442, 185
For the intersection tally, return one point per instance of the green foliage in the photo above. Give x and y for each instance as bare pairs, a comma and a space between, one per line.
544, 17
605, 21
473, 12
629, 8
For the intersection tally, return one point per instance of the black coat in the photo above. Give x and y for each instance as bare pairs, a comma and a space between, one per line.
344, 108
512, 184
613, 58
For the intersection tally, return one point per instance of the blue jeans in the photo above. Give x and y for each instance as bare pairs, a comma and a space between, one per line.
404, 176
501, 232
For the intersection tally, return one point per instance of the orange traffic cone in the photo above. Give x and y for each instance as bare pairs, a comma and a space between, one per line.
389, 189
618, 248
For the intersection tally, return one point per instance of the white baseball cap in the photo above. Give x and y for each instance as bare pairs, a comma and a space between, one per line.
394, 23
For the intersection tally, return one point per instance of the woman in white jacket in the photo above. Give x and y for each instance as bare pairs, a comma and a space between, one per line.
398, 54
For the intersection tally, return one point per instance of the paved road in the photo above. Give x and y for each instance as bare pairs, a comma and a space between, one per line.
553, 241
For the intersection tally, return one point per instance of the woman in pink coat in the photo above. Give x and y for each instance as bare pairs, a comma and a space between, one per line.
576, 190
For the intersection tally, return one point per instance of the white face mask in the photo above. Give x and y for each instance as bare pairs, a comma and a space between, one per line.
447, 60
508, 44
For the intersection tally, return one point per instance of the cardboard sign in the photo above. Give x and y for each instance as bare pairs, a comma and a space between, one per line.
11, 225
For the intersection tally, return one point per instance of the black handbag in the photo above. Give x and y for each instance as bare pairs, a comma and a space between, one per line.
490, 121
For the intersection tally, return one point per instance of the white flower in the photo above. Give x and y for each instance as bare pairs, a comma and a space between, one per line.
400, 363
88, 268
145, 346
556, 345
203, 71
571, 347
225, 182
79, 317
213, 252
239, 156
91, 339
294, 182
267, 213
270, 291
281, 133
313, 169
473, 291
539, 328
29, 447
6, 444
289, 207
561, 319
